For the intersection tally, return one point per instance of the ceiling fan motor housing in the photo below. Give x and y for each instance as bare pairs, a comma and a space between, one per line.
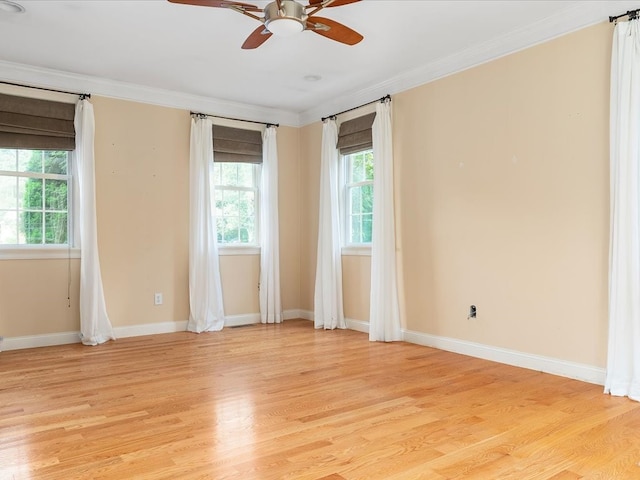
290, 13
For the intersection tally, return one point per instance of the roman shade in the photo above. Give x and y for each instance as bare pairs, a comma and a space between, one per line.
355, 135
236, 145
33, 123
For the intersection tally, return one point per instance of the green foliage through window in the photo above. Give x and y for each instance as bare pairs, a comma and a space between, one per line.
34, 197
359, 196
236, 197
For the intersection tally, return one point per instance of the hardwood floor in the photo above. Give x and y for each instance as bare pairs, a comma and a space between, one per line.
290, 402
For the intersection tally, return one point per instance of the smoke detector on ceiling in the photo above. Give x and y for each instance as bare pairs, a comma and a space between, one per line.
11, 7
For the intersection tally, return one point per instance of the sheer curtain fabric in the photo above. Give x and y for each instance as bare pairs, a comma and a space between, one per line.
384, 316
270, 303
95, 327
328, 308
623, 358
205, 287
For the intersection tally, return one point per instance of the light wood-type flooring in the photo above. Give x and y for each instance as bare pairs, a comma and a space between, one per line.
291, 402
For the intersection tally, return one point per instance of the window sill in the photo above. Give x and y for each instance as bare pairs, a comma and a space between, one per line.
357, 251
224, 250
41, 252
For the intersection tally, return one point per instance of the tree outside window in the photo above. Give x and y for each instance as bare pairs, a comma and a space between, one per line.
34, 197
359, 197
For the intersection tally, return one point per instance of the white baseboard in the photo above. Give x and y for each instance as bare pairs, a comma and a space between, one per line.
577, 371
149, 329
305, 314
563, 368
46, 340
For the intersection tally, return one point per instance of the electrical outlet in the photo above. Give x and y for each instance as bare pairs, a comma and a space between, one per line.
157, 299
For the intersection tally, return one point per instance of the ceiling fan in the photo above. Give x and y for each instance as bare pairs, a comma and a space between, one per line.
286, 17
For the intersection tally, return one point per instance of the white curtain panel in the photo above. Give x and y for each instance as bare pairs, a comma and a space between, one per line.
205, 287
328, 309
270, 302
384, 311
623, 362
95, 327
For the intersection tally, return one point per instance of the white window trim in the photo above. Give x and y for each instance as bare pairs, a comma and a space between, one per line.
45, 251
348, 248
39, 252
242, 247
227, 249
354, 250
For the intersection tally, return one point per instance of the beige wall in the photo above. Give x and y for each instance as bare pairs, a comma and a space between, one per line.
142, 182
501, 177
310, 143
501, 199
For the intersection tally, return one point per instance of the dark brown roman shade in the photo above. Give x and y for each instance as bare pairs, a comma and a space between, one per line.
236, 145
37, 124
355, 135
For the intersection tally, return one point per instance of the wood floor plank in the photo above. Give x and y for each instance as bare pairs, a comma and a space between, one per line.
290, 402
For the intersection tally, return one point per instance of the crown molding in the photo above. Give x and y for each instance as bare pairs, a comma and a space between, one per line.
49, 78
575, 17
571, 19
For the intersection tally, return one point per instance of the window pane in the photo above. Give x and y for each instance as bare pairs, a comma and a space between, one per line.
8, 227
246, 204
30, 161
355, 229
368, 165
216, 173
229, 174
357, 168
30, 193
55, 227
367, 198
247, 234
32, 227
355, 194
367, 223
55, 194
34, 209
55, 162
236, 202
8, 160
219, 203
230, 203
220, 228
245, 175
230, 228
8, 187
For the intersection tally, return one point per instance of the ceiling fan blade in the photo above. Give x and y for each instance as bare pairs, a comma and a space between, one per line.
333, 30
219, 4
326, 4
257, 38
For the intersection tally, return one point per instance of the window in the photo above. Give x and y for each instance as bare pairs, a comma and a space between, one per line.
236, 197
358, 196
34, 197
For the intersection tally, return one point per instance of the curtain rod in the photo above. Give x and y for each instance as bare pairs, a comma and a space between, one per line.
633, 14
81, 95
383, 99
202, 115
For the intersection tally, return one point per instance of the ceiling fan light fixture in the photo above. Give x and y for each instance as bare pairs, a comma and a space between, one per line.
287, 21
285, 27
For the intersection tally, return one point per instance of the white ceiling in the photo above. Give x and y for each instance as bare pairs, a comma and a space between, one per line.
190, 57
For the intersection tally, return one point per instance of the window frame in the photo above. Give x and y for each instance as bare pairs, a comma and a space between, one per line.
242, 248
31, 251
348, 247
